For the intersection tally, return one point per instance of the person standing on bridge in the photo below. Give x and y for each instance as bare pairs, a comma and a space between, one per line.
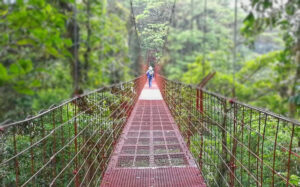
150, 75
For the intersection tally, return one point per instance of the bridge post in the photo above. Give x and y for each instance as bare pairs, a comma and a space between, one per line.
223, 167
165, 87
75, 172
180, 105
54, 144
190, 118
200, 108
17, 169
102, 163
232, 165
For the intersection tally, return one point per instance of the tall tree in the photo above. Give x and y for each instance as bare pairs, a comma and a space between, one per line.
73, 31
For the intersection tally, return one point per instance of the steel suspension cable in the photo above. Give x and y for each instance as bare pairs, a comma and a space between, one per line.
133, 20
204, 38
234, 49
168, 26
76, 65
192, 22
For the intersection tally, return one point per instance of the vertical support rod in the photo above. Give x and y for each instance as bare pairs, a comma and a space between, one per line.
44, 142
76, 146
62, 136
54, 144
234, 147
200, 105
274, 152
262, 151
189, 118
17, 169
197, 100
289, 160
31, 152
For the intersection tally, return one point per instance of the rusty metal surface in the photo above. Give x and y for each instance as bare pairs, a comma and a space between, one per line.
162, 177
151, 151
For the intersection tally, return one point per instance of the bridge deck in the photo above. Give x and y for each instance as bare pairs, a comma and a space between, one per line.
151, 150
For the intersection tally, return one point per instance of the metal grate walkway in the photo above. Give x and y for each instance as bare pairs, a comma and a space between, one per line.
151, 150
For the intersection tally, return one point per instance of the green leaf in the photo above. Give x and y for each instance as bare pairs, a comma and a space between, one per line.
3, 73
20, 2
26, 65
23, 90
254, 2
21, 67
35, 83
52, 51
22, 87
249, 19
267, 4
15, 69
290, 9
3, 12
25, 41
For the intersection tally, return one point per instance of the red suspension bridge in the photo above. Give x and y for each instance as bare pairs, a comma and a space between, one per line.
170, 135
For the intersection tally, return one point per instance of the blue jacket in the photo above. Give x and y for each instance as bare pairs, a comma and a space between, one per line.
148, 74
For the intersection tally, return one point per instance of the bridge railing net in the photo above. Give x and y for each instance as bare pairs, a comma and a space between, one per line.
233, 143
69, 144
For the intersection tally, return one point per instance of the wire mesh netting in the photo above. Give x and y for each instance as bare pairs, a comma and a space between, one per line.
234, 144
69, 144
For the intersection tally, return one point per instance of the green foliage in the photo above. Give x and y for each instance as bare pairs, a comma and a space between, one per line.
153, 19
268, 14
195, 34
37, 51
261, 81
264, 72
3, 74
194, 73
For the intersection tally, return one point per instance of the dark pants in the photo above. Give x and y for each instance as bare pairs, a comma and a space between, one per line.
150, 81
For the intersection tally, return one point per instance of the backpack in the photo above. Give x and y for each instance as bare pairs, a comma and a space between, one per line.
150, 73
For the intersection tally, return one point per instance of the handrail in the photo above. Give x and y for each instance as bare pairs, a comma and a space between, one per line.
233, 143
64, 103
68, 144
287, 119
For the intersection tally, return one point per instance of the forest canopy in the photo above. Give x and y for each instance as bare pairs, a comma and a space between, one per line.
53, 50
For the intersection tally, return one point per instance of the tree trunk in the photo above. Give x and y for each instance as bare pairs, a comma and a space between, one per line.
73, 33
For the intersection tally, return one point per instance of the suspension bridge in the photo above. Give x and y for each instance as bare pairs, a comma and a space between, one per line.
130, 135
172, 134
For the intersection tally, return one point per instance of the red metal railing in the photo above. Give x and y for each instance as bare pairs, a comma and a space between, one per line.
234, 144
69, 144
